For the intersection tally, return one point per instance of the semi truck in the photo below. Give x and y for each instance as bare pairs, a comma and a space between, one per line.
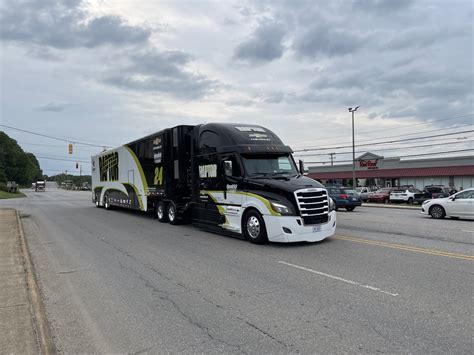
236, 179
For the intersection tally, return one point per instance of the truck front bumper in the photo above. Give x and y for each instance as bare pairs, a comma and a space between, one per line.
286, 229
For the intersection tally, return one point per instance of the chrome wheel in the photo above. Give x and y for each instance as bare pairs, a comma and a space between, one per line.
160, 211
171, 213
253, 227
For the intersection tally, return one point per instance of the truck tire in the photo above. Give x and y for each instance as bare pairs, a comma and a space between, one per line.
97, 200
172, 213
410, 201
254, 229
107, 204
161, 212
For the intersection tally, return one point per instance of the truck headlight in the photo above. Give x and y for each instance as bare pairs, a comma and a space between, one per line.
278, 207
332, 205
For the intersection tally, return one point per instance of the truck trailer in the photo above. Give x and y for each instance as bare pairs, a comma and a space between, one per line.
236, 179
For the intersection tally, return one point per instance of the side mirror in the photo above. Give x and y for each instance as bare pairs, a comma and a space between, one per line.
453, 198
301, 166
228, 168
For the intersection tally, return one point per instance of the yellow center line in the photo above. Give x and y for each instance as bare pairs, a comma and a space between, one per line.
405, 247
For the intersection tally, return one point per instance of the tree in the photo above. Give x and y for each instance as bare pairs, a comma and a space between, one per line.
15, 164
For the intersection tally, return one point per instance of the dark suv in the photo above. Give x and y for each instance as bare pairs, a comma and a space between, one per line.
430, 192
344, 197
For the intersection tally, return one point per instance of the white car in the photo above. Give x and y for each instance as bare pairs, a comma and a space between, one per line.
459, 205
405, 195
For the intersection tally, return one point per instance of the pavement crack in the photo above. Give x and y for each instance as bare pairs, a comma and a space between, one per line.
265, 333
165, 296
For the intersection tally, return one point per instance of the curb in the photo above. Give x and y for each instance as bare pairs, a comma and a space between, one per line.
40, 323
400, 207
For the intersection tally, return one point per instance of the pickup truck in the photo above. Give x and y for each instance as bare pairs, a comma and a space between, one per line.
364, 193
405, 195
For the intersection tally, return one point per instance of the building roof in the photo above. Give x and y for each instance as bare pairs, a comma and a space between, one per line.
465, 170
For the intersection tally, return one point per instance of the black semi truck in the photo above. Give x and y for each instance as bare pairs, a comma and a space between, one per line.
237, 179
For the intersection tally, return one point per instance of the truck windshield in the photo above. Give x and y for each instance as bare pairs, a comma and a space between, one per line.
268, 165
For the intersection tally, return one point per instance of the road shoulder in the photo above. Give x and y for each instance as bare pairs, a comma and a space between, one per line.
23, 325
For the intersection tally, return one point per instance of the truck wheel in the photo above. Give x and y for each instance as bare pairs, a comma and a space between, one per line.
97, 200
160, 211
410, 201
107, 204
172, 213
254, 228
437, 212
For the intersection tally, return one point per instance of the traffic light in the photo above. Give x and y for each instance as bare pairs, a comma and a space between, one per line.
70, 148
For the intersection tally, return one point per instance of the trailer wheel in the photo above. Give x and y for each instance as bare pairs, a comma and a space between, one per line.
172, 213
254, 228
160, 211
107, 204
97, 200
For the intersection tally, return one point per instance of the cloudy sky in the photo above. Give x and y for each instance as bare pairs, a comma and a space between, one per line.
107, 72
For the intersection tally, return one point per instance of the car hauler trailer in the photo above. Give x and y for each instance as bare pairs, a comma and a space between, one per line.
235, 179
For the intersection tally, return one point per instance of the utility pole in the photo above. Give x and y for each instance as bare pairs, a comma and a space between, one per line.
332, 158
354, 185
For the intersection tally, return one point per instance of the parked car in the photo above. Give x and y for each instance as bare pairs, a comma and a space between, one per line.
459, 205
405, 195
344, 197
381, 195
364, 192
431, 192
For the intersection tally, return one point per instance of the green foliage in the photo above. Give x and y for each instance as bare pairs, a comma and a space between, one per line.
76, 180
15, 164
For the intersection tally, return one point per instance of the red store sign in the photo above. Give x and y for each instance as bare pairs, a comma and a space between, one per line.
369, 164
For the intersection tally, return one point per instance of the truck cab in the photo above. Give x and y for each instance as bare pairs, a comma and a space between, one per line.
247, 183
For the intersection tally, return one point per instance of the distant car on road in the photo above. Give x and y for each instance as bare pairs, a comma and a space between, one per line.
459, 205
344, 197
382, 195
405, 195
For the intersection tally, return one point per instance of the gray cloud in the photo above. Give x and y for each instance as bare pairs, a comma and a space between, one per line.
164, 72
53, 107
64, 24
263, 46
322, 40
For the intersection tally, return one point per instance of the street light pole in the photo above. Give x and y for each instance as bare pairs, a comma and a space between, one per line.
352, 110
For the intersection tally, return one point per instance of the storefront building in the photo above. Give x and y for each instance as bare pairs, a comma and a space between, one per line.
374, 170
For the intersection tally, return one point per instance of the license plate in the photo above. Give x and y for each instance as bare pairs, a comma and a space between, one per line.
316, 229
353, 199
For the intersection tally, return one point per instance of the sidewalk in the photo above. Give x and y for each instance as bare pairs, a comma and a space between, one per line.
23, 327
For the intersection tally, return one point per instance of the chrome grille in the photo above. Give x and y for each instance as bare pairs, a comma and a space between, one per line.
313, 205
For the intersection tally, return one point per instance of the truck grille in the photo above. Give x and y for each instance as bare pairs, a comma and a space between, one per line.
313, 205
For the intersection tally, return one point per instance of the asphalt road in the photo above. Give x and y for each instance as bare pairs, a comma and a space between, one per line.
119, 281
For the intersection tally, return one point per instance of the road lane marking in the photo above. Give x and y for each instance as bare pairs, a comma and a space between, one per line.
405, 248
467, 231
340, 279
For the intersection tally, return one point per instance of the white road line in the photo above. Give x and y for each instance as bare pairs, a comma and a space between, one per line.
463, 230
340, 279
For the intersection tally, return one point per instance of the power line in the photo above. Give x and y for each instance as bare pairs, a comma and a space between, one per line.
386, 142
390, 149
399, 127
60, 159
56, 138
402, 156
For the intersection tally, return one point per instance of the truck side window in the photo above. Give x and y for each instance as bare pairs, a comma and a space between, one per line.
208, 142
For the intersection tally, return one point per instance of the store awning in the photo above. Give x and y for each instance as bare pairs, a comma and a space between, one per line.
466, 170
